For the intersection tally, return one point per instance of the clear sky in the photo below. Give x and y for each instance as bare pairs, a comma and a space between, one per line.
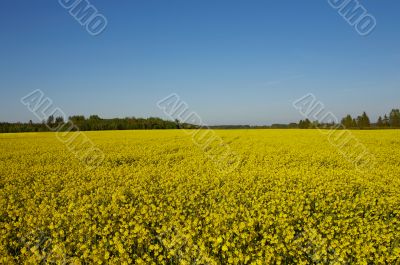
233, 62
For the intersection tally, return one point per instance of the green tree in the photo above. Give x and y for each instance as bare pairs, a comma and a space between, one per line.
306, 124
59, 120
354, 123
394, 118
347, 121
94, 117
386, 121
380, 123
366, 120
77, 118
178, 124
363, 121
50, 120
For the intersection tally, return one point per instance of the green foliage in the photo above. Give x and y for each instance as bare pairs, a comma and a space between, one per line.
347, 121
364, 122
395, 118
94, 123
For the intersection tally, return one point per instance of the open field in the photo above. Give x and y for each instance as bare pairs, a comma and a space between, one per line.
157, 198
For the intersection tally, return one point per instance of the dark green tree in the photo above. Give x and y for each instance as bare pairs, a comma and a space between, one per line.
306, 124
347, 122
363, 121
386, 121
394, 118
50, 120
380, 123
59, 120
366, 120
354, 123
94, 117
178, 124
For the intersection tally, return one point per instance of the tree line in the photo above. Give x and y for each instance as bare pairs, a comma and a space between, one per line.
360, 122
93, 123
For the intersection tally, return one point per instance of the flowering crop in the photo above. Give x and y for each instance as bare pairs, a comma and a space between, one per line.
158, 199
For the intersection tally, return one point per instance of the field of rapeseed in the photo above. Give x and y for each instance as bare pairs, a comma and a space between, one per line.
158, 199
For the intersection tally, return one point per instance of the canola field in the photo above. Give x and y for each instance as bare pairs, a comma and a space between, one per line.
157, 198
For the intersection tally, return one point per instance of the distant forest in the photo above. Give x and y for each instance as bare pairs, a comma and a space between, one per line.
95, 123
360, 122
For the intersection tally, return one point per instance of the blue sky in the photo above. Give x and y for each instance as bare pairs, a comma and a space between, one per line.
233, 62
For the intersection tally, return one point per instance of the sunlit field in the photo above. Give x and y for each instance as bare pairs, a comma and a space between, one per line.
157, 198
